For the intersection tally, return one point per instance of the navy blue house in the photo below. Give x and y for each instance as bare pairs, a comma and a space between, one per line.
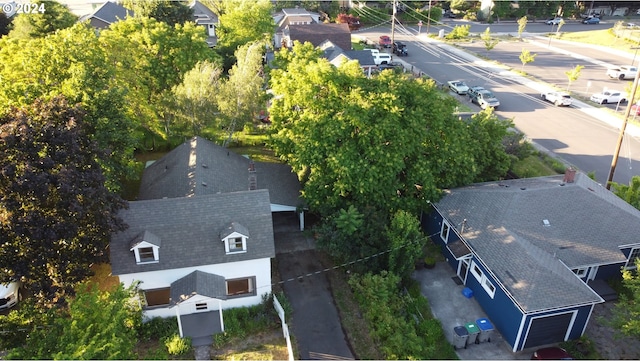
532, 249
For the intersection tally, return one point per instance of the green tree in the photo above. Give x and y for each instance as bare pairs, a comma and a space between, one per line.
526, 57
573, 74
55, 16
389, 142
349, 221
150, 58
98, 325
486, 134
169, 12
626, 312
72, 63
489, 42
5, 24
522, 24
56, 215
243, 22
241, 97
406, 242
193, 102
630, 193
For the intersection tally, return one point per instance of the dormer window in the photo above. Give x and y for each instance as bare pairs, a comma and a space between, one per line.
235, 238
146, 248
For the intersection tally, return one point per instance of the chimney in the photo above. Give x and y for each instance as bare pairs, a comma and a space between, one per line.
569, 175
253, 180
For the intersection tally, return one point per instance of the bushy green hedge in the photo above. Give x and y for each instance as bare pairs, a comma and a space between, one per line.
401, 331
177, 345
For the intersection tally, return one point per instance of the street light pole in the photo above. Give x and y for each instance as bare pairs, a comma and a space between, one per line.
616, 153
393, 24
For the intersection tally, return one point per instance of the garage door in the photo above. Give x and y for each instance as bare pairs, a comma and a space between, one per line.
546, 330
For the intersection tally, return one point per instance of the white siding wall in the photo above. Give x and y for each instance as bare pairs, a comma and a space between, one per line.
260, 269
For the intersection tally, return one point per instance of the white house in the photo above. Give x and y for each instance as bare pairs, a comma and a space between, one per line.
196, 256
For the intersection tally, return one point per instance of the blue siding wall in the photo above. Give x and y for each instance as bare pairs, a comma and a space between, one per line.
502, 312
611, 271
431, 225
576, 329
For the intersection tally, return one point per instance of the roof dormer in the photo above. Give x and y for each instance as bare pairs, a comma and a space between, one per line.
146, 248
235, 238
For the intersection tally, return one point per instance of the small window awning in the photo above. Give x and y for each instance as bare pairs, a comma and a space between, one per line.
459, 249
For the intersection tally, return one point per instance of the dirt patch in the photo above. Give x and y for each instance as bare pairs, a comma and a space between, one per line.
269, 345
607, 342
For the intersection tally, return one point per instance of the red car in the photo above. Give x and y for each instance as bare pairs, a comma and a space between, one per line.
385, 41
551, 353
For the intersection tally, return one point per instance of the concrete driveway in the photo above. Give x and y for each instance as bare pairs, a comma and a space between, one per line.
452, 309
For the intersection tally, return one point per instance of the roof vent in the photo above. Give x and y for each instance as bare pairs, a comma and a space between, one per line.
204, 184
546, 223
204, 165
523, 188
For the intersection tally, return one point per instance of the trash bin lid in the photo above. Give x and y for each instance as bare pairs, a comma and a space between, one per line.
472, 327
484, 324
461, 331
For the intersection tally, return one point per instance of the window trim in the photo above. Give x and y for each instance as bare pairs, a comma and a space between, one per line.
159, 305
444, 235
581, 272
482, 279
251, 287
201, 306
631, 263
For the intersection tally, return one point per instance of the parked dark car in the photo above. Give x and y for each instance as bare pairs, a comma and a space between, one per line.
551, 353
449, 14
400, 49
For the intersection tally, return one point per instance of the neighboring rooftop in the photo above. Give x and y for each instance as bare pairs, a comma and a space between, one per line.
505, 223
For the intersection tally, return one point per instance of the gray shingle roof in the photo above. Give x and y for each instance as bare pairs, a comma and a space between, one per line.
234, 227
109, 12
339, 34
504, 227
189, 229
198, 167
146, 236
198, 283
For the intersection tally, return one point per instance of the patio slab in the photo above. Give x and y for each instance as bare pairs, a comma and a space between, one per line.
452, 308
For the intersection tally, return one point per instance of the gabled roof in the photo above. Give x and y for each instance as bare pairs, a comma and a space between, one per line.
339, 34
190, 229
146, 236
202, 14
198, 283
109, 12
199, 167
290, 16
504, 226
234, 227
334, 54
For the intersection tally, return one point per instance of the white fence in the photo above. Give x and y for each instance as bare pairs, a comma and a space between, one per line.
285, 328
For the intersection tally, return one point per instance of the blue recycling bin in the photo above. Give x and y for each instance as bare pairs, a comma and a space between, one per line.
486, 330
467, 292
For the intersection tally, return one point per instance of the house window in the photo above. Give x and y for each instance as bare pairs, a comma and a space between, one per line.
235, 244
201, 306
483, 280
476, 271
157, 297
489, 287
146, 254
631, 263
241, 287
580, 272
444, 231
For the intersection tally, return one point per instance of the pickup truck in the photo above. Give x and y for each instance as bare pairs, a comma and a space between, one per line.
622, 72
380, 58
483, 97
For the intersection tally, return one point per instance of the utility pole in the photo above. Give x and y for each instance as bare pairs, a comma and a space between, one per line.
429, 17
393, 24
614, 161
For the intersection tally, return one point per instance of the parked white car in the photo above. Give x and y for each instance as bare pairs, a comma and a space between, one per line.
10, 295
557, 98
609, 96
458, 86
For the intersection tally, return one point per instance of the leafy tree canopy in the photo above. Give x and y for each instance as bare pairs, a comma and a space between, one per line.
150, 58
626, 312
630, 193
243, 22
72, 63
55, 16
56, 215
390, 142
98, 325
170, 12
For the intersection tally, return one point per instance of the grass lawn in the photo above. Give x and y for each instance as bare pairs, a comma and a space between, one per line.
600, 37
